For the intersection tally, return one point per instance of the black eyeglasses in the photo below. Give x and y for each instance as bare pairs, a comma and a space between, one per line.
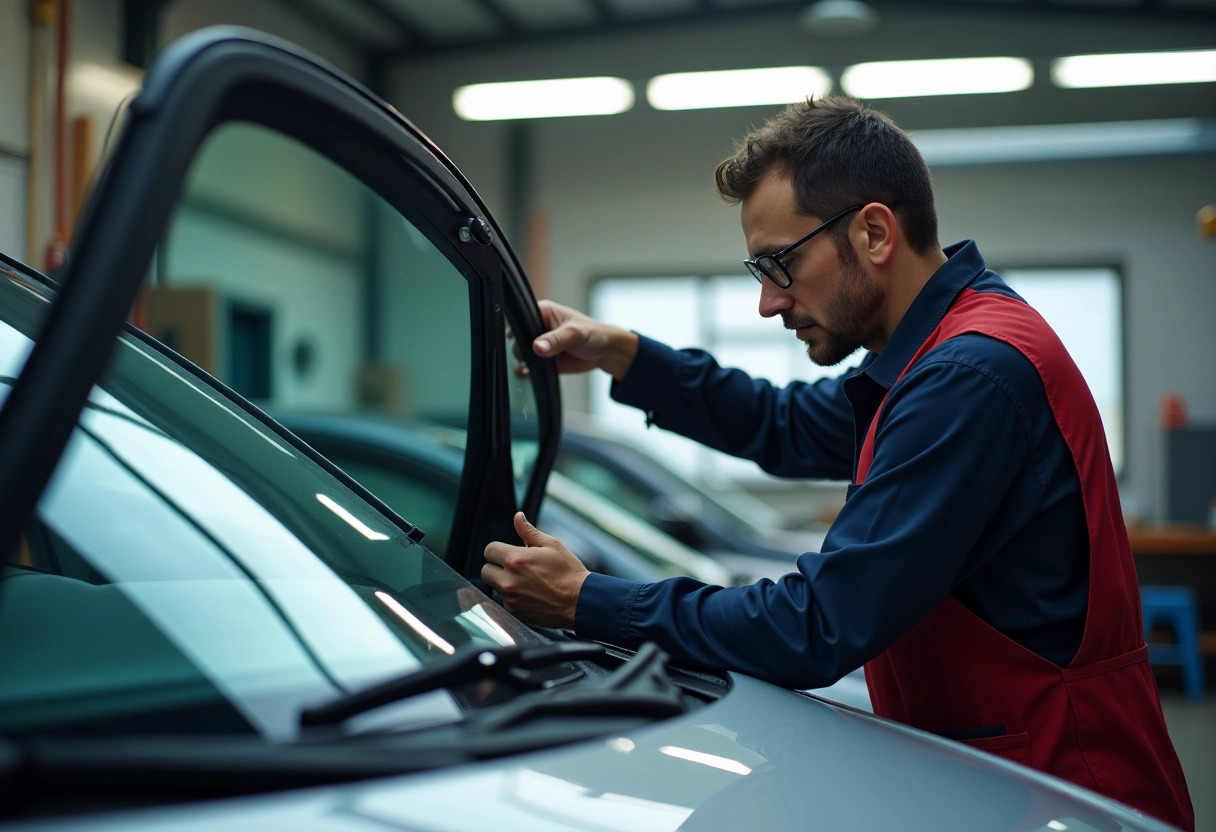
770, 265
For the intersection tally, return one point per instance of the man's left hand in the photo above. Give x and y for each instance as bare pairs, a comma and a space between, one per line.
539, 582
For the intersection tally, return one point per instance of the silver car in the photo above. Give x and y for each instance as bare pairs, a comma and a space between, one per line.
206, 625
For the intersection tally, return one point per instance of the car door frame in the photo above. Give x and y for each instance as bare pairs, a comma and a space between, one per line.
225, 74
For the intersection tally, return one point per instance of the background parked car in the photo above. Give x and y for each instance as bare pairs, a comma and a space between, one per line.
647, 488
416, 470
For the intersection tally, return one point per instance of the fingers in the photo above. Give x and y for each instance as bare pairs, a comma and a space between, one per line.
562, 330
530, 535
540, 581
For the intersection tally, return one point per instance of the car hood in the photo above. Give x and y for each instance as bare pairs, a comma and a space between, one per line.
761, 758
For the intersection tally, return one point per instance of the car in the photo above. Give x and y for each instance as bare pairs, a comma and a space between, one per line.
416, 470
205, 624
647, 488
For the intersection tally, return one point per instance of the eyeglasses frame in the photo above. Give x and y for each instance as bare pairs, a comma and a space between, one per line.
760, 273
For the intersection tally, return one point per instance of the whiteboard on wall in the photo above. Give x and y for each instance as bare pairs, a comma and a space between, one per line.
12, 207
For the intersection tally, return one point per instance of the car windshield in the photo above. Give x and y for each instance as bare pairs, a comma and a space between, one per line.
189, 567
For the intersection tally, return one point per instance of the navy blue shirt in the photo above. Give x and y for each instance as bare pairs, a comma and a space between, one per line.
972, 491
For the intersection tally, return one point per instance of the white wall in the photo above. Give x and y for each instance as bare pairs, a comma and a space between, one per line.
633, 194
14, 126
14, 67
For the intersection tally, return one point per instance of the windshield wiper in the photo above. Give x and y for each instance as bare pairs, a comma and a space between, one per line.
640, 687
460, 669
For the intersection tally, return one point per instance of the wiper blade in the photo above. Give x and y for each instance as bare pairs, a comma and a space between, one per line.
463, 668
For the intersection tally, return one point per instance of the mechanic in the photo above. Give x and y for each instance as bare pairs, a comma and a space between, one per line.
980, 567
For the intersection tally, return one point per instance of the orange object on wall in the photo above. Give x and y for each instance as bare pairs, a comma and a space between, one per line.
1173, 412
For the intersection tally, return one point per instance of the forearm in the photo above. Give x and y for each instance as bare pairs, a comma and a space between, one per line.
766, 630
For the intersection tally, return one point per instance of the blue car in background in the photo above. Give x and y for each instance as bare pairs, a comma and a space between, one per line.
206, 624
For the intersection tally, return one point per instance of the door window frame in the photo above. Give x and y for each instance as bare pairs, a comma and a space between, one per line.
201, 82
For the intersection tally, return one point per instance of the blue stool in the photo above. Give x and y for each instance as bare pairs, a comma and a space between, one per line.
1177, 607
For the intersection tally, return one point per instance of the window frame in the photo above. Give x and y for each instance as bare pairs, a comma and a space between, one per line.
228, 74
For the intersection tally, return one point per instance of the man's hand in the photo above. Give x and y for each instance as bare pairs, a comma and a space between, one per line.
539, 581
579, 343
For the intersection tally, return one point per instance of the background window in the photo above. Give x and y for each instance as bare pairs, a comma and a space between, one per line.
718, 313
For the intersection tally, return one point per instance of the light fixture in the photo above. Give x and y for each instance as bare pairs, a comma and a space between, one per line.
736, 87
945, 76
1133, 69
104, 86
552, 98
1054, 142
839, 18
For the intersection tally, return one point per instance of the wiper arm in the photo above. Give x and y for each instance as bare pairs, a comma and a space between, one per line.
461, 669
640, 687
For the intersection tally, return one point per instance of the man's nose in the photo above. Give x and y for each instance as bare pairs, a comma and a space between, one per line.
773, 299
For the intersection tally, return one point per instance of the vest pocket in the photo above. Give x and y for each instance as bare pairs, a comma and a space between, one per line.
1015, 747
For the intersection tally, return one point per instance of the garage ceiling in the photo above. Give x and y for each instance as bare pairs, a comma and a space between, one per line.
403, 30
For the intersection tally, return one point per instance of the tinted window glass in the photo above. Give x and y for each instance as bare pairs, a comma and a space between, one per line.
525, 425
189, 567
304, 290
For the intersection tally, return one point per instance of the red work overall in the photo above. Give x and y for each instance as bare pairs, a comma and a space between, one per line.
1096, 722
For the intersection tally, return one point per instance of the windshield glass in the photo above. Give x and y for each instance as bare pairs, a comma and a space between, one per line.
188, 567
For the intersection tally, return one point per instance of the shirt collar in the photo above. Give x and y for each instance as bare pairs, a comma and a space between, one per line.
964, 264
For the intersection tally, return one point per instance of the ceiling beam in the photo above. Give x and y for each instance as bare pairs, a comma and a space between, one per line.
499, 15
413, 36
706, 12
328, 23
140, 30
603, 10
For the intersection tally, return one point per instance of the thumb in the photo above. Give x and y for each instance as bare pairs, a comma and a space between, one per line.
545, 344
529, 534
565, 335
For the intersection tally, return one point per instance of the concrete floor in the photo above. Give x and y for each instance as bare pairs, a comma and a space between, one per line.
1193, 728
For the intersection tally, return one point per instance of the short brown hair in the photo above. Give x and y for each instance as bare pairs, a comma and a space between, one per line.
839, 153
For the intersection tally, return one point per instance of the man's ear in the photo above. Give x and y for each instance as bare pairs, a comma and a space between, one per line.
876, 232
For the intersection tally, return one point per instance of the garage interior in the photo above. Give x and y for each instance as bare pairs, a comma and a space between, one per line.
1096, 198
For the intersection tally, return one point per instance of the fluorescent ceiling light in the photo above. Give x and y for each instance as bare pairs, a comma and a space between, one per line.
1132, 69
543, 99
736, 87
1051, 142
948, 76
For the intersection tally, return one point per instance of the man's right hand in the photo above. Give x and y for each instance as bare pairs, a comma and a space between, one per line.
579, 343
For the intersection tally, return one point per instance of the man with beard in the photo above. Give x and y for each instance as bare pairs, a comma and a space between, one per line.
979, 568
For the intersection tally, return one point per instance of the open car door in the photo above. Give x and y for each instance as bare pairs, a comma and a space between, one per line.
325, 235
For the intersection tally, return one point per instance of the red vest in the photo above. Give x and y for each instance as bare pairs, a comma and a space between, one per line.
1096, 722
